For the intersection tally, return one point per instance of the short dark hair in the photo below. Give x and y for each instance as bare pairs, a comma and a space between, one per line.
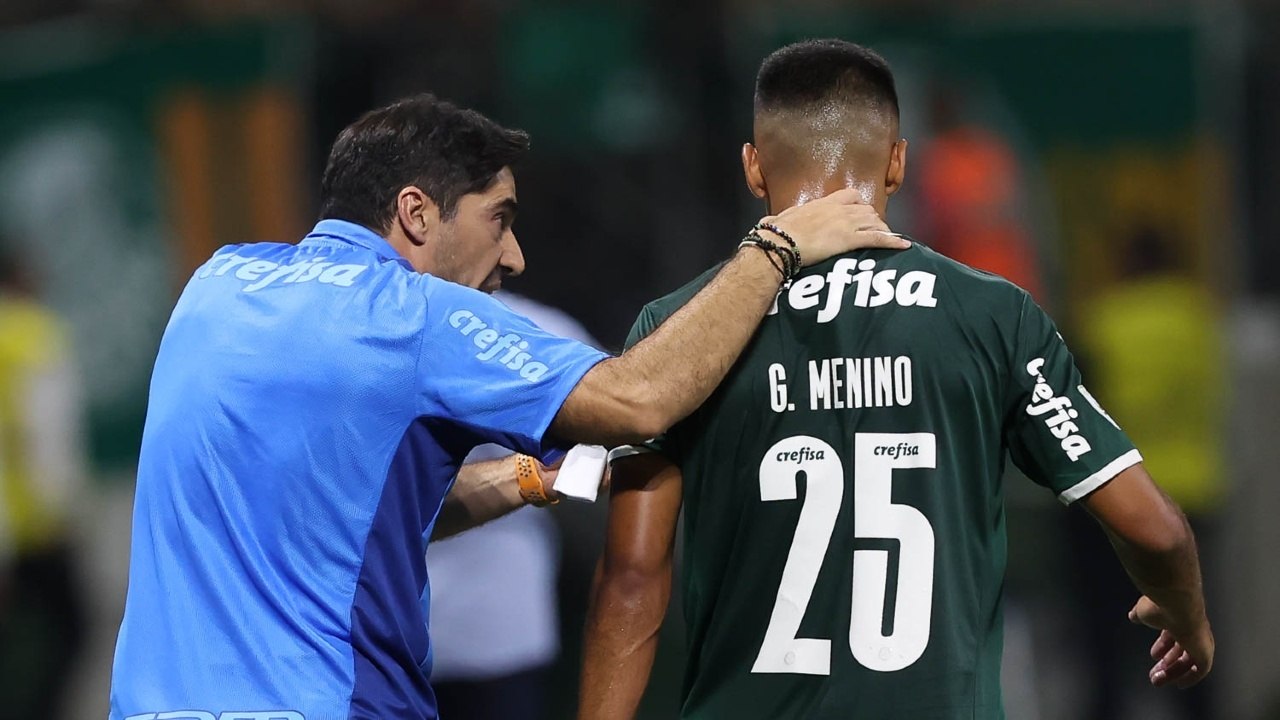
445, 150
813, 73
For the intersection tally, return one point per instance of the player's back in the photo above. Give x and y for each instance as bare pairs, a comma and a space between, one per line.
844, 525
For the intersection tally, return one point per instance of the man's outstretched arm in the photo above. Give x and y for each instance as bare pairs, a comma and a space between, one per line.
670, 373
1154, 542
632, 587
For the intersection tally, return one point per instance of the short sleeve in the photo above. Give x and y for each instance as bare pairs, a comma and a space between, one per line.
493, 371
1056, 431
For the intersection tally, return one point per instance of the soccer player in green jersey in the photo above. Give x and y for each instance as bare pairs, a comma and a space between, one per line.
845, 544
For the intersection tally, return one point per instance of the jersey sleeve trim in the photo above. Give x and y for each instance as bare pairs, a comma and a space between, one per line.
626, 451
1100, 478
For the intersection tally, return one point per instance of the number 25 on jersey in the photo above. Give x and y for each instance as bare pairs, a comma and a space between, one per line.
875, 457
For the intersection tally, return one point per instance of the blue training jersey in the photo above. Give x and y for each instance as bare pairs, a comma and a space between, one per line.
309, 408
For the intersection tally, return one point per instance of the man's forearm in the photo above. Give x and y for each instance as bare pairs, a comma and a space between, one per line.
484, 491
1153, 540
667, 375
671, 372
621, 640
1155, 544
1169, 575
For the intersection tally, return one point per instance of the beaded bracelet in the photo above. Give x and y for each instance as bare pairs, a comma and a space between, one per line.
787, 261
790, 256
791, 252
768, 253
780, 233
791, 259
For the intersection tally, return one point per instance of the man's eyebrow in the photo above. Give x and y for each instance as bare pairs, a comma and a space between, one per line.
508, 204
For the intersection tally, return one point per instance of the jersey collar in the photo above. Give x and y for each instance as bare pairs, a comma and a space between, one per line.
352, 234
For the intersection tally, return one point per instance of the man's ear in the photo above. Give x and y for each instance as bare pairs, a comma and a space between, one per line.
751, 171
897, 172
418, 215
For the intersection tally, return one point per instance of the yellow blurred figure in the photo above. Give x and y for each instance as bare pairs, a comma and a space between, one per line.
42, 456
35, 472
1157, 353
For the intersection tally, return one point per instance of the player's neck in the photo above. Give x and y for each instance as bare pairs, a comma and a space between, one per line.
789, 193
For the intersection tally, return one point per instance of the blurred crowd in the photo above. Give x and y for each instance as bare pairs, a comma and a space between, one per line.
1116, 161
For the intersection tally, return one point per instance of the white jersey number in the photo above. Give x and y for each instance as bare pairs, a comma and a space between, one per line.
875, 457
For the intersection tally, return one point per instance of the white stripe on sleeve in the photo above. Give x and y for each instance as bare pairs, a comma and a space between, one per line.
1098, 479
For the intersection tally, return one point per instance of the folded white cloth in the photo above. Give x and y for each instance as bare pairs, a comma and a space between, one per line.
581, 473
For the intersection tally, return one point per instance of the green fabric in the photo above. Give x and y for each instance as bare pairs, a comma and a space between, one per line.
941, 356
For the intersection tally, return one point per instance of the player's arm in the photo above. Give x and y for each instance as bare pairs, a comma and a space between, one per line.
484, 491
641, 393
632, 587
1154, 542
1061, 437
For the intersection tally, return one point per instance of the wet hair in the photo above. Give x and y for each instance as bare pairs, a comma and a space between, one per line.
444, 150
815, 77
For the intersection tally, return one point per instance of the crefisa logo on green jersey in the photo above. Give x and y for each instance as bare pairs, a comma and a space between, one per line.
1059, 423
870, 288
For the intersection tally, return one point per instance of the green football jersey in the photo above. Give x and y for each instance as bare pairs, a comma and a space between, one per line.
845, 549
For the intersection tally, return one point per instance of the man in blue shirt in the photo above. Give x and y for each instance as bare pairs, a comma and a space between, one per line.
311, 403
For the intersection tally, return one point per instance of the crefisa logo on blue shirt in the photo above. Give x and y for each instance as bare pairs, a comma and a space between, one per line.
510, 346
261, 273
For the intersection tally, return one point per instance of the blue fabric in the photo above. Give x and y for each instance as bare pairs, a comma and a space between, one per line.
309, 407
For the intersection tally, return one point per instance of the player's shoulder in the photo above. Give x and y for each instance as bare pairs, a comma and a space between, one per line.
964, 276
663, 307
971, 293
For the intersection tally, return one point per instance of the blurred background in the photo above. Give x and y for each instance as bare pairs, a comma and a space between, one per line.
1118, 158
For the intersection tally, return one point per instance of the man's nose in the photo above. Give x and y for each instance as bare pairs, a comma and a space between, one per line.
512, 261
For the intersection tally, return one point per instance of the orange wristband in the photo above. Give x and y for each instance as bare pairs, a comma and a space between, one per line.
532, 489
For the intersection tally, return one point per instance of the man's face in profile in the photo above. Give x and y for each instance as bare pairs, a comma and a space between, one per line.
478, 246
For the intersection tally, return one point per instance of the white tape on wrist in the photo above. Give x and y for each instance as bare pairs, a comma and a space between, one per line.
581, 473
